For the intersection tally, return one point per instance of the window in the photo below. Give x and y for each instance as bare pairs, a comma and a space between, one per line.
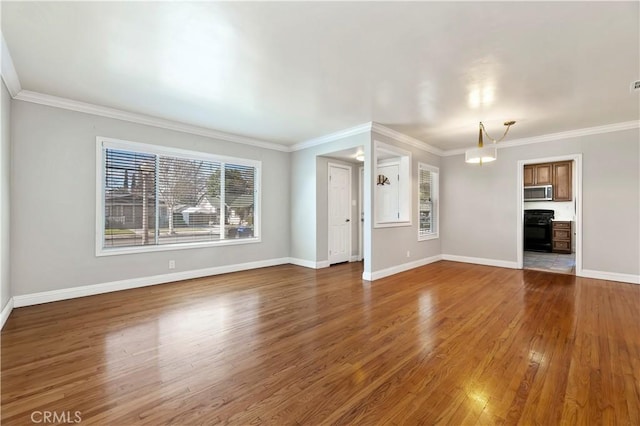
154, 198
427, 202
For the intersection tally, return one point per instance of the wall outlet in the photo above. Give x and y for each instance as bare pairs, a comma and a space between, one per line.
172, 264
408, 253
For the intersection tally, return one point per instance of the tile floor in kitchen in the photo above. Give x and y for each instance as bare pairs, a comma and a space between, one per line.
552, 262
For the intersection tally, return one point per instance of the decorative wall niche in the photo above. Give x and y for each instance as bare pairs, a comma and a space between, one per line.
392, 183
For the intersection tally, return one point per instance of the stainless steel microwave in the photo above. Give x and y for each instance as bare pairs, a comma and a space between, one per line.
538, 193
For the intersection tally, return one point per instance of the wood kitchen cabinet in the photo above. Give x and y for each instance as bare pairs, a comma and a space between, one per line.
557, 174
561, 237
562, 181
538, 174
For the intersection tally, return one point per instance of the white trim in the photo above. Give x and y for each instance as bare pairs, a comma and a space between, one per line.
10, 78
608, 128
577, 196
360, 213
6, 311
585, 273
148, 148
309, 263
354, 258
401, 137
9, 74
103, 143
100, 195
90, 290
321, 140
87, 108
117, 251
376, 275
303, 262
349, 169
610, 276
364, 128
435, 195
481, 261
405, 192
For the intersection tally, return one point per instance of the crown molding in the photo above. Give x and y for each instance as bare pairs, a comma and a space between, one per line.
368, 127
355, 130
87, 108
597, 130
401, 137
9, 74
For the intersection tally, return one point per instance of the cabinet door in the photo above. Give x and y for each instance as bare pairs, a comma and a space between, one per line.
529, 175
544, 174
562, 181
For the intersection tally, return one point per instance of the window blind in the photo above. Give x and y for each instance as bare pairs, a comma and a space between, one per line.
426, 196
153, 199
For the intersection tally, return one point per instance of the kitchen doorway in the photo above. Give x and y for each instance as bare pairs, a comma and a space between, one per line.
550, 214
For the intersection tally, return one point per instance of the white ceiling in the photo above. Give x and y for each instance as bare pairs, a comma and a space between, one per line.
287, 72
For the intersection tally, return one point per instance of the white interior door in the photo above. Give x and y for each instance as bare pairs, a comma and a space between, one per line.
339, 213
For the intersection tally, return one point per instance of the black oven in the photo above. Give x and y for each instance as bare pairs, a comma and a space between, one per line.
537, 230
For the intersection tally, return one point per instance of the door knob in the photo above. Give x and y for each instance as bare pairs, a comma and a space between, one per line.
348, 220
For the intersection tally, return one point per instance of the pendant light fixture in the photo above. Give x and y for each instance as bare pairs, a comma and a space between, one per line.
485, 154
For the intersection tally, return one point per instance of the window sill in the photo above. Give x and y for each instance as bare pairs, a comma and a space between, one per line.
428, 237
168, 247
392, 224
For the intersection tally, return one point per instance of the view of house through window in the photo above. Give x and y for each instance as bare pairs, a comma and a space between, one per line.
428, 199
153, 199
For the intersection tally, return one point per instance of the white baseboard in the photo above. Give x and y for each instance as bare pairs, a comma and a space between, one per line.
610, 276
376, 275
481, 261
302, 262
355, 258
90, 290
309, 263
6, 311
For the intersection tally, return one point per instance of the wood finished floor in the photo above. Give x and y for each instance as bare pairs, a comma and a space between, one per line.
448, 343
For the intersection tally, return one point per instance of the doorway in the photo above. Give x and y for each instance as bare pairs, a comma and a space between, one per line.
339, 214
559, 247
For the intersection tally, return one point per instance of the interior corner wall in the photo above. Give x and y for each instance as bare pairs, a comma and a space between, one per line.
479, 210
54, 201
305, 210
322, 199
5, 189
390, 245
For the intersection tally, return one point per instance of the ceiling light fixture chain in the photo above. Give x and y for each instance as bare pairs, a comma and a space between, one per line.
506, 123
484, 154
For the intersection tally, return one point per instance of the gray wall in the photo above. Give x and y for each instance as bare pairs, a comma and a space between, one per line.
479, 211
53, 172
54, 202
304, 207
390, 245
5, 188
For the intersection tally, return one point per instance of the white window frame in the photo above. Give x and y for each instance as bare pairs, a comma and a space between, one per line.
435, 197
103, 143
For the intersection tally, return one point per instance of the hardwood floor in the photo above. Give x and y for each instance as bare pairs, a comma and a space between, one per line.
447, 343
